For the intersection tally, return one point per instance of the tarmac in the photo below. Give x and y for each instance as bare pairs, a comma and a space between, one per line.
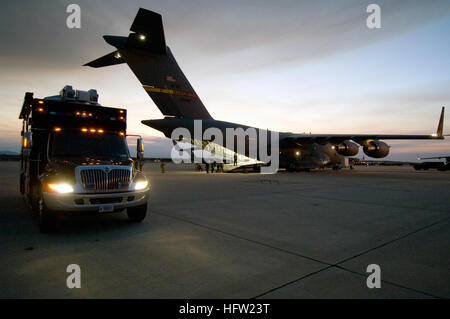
238, 235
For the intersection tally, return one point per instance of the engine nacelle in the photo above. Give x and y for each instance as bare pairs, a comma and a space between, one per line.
347, 148
376, 149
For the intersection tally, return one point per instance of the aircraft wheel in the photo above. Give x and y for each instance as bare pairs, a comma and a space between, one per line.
46, 218
22, 184
291, 167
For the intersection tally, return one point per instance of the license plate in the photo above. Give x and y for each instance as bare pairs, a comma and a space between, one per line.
106, 209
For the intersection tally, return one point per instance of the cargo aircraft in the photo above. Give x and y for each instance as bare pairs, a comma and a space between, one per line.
146, 53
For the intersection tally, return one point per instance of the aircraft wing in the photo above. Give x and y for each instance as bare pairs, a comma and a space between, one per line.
362, 138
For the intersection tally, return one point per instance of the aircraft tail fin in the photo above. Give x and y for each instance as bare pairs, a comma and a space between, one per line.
153, 63
148, 24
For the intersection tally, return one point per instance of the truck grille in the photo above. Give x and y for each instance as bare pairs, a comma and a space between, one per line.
105, 180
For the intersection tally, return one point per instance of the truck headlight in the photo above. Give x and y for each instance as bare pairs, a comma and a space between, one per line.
62, 188
140, 185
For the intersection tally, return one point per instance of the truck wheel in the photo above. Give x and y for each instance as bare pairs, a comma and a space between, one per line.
46, 218
137, 213
22, 184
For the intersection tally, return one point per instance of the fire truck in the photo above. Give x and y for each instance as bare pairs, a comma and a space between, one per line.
75, 159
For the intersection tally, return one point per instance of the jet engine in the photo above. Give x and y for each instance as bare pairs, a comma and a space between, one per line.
347, 148
376, 149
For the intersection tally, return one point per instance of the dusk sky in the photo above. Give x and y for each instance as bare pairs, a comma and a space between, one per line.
291, 66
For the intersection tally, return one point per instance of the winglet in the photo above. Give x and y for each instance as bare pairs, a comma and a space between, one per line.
440, 129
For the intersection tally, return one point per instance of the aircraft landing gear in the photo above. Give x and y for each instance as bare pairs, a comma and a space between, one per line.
291, 167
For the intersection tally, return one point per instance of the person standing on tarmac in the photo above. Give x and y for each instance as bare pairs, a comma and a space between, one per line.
163, 167
207, 167
213, 166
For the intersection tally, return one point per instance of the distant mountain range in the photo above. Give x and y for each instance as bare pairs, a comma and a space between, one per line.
8, 153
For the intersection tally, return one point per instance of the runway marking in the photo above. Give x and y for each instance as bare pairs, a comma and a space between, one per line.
328, 265
337, 265
240, 237
394, 240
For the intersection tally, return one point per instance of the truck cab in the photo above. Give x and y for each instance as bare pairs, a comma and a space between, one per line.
75, 158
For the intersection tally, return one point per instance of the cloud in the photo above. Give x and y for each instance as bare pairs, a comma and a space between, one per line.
251, 58
36, 31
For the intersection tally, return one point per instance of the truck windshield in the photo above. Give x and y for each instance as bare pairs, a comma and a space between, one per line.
71, 144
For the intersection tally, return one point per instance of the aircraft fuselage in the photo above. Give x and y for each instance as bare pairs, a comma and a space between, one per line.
291, 156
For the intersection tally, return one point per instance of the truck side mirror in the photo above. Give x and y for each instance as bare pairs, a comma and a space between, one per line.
27, 140
140, 145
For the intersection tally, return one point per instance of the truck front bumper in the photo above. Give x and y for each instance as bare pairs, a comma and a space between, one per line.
109, 202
